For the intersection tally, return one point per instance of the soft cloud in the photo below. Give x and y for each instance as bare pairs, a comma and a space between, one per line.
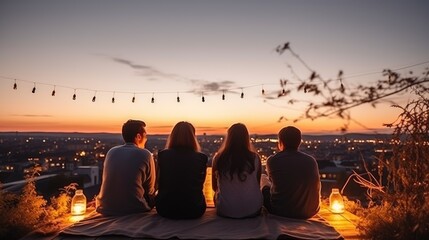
33, 115
199, 85
210, 129
207, 87
145, 70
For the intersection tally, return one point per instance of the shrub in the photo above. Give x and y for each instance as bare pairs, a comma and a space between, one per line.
24, 213
401, 211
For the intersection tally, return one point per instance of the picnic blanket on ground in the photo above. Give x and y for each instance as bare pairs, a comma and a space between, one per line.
210, 226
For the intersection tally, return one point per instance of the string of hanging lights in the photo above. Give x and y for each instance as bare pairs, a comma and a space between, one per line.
16, 82
283, 82
280, 49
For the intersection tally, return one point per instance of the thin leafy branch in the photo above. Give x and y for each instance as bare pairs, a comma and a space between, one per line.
336, 100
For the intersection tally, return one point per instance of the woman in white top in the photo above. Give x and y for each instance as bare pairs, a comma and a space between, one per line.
237, 175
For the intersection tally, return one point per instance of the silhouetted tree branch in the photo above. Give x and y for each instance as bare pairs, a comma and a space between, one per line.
336, 100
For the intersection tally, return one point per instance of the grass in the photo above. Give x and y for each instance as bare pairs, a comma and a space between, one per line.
23, 213
400, 209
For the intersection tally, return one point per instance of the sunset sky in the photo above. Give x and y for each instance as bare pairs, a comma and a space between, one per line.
189, 49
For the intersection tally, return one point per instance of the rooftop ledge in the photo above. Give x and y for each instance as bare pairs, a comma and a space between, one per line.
344, 224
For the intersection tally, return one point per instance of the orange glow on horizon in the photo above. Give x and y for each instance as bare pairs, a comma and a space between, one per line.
219, 128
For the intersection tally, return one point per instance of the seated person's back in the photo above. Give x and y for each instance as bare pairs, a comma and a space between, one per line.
236, 176
295, 190
181, 174
128, 184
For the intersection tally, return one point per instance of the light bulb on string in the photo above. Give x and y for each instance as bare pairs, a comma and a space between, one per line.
34, 88
134, 98
113, 98
242, 93
53, 92
263, 90
153, 98
340, 77
223, 95
74, 95
202, 97
283, 87
15, 86
93, 98
178, 98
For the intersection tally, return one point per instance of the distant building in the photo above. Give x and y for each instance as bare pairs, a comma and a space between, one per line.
90, 174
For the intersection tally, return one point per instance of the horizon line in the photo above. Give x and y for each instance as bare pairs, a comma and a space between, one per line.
207, 134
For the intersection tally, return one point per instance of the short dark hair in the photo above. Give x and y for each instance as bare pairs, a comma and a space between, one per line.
131, 128
290, 137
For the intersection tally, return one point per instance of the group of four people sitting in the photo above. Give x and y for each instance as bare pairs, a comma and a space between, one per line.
133, 182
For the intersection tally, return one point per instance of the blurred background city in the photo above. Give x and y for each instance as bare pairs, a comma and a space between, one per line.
78, 157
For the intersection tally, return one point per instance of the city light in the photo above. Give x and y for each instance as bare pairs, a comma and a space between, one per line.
65, 153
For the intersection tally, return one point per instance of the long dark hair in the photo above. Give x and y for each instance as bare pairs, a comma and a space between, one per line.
236, 155
183, 136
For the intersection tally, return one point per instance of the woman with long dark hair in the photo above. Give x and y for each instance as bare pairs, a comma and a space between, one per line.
180, 175
237, 175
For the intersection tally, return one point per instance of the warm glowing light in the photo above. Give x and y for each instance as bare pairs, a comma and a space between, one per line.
76, 218
336, 203
207, 188
78, 204
337, 207
78, 209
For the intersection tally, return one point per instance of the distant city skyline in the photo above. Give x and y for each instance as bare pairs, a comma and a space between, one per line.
192, 49
59, 153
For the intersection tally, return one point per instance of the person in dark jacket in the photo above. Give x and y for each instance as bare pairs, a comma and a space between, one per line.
181, 174
294, 178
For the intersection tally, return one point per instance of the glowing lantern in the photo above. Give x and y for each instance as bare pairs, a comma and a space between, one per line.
336, 203
78, 204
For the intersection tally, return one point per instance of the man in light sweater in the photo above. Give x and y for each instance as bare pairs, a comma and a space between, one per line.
128, 184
